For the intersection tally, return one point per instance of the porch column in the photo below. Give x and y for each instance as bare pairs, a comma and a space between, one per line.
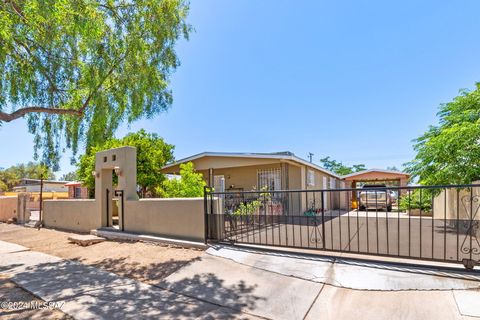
210, 177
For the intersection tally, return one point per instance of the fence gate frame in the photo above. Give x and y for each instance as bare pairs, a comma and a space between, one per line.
434, 223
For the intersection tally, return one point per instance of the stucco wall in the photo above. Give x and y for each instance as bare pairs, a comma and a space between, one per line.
173, 218
75, 214
445, 205
315, 198
8, 208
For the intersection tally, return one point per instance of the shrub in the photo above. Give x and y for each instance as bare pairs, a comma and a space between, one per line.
418, 199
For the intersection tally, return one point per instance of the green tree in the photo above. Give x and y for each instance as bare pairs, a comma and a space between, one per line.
3, 186
70, 176
78, 69
339, 168
189, 185
11, 176
152, 154
393, 168
449, 152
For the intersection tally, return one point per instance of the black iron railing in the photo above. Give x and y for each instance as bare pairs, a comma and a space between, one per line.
439, 223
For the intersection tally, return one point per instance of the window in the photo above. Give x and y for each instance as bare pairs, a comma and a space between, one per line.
114, 157
310, 178
325, 185
269, 179
77, 192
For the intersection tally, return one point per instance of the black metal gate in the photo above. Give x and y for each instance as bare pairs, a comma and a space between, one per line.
438, 223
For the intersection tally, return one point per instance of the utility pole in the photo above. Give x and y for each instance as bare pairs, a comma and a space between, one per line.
310, 155
40, 215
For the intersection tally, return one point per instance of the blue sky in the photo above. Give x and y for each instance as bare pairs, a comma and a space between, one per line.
355, 80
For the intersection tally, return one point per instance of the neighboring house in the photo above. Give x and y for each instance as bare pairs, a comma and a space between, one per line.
33, 185
76, 190
256, 171
51, 190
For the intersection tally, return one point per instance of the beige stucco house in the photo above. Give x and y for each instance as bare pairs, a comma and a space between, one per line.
254, 171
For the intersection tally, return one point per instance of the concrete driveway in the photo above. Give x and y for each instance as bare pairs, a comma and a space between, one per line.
290, 286
392, 234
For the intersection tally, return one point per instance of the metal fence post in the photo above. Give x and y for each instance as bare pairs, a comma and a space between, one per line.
323, 220
205, 212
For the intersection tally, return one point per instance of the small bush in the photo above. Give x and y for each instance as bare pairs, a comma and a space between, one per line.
418, 199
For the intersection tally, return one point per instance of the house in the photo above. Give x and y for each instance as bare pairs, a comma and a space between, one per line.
76, 190
51, 190
33, 185
256, 171
253, 171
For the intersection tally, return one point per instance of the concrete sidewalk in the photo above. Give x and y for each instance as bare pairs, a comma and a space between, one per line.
91, 293
291, 286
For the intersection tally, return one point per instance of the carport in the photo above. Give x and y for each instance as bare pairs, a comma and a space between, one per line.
376, 176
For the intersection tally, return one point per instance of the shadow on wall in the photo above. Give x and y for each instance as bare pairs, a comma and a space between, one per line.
100, 294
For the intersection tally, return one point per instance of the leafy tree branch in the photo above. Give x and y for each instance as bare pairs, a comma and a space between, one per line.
76, 70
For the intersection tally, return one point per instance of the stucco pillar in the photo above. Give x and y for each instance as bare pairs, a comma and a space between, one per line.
124, 162
127, 175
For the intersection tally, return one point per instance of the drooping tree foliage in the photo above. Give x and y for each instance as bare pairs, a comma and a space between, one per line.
152, 154
78, 68
449, 152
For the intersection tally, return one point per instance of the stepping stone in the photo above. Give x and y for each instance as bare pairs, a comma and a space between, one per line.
85, 239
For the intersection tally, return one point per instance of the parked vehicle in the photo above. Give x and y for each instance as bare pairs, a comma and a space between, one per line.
394, 195
375, 196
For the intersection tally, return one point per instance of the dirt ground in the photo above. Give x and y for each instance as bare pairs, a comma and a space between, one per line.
142, 261
10, 292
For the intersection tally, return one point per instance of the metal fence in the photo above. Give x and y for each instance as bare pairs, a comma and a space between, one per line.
438, 223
